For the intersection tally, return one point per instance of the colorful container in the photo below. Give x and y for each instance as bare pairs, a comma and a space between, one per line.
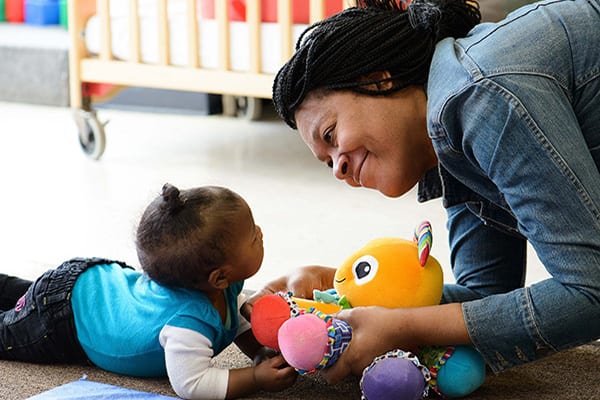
2, 11
63, 15
15, 10
41, 12
236, 9
300, 10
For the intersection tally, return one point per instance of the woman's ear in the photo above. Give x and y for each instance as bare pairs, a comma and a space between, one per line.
377, 81
218, 279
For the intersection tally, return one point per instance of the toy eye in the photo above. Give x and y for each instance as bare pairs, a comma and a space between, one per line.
365, 269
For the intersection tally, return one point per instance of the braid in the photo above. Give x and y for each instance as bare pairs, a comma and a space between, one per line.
340, 51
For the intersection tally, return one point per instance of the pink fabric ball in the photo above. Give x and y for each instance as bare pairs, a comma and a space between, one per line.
303, 341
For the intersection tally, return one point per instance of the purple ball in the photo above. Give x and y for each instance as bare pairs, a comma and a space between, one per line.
393, 379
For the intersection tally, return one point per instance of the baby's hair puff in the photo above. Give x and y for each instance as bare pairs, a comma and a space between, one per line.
171, 200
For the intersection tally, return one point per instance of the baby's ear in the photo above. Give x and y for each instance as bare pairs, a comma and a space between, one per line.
218, 279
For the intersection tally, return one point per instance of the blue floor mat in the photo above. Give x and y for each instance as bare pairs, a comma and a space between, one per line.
83, 389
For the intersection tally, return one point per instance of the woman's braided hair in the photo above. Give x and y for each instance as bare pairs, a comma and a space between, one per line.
341, 51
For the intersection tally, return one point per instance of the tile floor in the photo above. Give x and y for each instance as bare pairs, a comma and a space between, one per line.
55, 203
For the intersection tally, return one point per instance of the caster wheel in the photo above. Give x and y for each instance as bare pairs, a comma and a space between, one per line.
91, 133
249, 108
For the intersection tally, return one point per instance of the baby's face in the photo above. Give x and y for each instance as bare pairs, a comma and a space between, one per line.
249, 256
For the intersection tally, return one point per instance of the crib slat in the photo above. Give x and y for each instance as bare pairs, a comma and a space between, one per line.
316, 10
105, 31
222, 17
134, 32
192, 34
164, 47
253, 13
284, 17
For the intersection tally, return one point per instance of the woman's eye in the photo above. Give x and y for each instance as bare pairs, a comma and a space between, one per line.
327, 136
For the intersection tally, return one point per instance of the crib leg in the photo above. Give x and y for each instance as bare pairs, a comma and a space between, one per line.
229, 105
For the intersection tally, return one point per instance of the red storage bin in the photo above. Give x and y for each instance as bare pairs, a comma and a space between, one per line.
237, 9
15, 10
300, 10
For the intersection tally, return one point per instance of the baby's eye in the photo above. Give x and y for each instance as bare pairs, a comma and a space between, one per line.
330, 163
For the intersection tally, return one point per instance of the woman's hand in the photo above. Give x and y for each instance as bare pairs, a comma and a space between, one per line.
375, 330
301, 282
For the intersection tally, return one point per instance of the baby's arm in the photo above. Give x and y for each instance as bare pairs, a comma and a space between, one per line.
188, 355
245, 340
248, 344
270, 373
301, 282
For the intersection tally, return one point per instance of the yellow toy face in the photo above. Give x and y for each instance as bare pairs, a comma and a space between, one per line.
386, 272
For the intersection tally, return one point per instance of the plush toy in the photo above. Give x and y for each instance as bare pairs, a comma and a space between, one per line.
389, 272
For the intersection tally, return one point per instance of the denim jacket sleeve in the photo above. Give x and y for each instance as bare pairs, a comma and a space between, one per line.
520, 137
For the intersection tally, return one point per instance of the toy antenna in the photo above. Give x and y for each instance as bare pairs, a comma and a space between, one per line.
424, 239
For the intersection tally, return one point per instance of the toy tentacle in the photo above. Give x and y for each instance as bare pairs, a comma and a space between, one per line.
396, 374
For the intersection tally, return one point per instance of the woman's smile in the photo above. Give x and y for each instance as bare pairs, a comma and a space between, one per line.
358, 170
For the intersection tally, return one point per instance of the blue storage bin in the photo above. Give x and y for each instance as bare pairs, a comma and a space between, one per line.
42, 12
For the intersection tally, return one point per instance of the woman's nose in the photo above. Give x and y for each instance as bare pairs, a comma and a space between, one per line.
340, 168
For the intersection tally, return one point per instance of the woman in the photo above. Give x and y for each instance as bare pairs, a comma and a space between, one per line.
504, 123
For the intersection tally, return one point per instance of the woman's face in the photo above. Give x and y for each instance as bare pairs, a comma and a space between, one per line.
377, 142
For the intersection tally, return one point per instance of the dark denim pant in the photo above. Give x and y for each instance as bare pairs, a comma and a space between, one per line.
40, 328
11, 290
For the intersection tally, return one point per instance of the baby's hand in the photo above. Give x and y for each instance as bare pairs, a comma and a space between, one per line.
274, 374
263, 354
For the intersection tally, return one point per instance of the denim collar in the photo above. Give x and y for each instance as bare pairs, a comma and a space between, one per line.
438, 182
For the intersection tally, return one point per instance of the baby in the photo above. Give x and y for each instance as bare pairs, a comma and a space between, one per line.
196, 247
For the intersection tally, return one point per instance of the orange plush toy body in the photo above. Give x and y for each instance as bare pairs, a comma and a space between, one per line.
388, 272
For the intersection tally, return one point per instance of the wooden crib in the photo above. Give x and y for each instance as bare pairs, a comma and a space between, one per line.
242, 90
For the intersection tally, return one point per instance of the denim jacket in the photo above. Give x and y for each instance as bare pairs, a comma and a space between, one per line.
514, 117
